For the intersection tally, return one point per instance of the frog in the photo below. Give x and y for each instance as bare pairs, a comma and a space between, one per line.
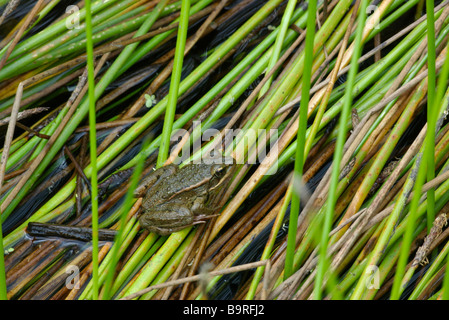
175, 197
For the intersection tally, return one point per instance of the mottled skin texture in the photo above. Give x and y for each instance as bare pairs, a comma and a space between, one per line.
174, 198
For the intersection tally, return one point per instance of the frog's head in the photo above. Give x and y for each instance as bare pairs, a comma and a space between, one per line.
221, 173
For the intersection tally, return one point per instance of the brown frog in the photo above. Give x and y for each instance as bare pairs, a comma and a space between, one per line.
176, 197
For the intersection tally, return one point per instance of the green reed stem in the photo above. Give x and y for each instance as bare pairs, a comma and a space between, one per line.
174, 83
130, 230
3, 294
157, 262
279, 43
442, 81
93, 145
122, 221
171, 266
338, 153
140, 258
142, 254
431, 110
301, 136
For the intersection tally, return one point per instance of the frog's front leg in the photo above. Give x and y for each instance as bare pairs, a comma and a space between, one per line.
153, 177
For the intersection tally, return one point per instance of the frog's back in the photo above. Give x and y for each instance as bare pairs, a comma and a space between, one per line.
191, 175
187, 177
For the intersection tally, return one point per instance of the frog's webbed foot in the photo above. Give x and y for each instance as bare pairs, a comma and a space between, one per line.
153, 177
201, 218
167, 230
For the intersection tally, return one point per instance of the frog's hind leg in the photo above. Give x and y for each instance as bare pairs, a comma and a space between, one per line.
169, 228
